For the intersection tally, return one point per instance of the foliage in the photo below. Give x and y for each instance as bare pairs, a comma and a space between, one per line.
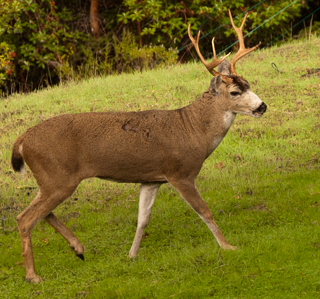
117, 55
46, 39
52, 41
41, 39
9, 10
166, 22
6, 64
128, 56
46, 51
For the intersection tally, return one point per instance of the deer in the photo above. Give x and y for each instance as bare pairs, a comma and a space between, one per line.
149, 148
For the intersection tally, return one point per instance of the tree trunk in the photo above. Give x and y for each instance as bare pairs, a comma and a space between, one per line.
94, 18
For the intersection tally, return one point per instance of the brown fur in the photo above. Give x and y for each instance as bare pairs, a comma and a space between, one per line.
124, 147
240, 82
148, 147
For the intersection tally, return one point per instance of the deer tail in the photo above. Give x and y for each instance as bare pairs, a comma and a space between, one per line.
17, 160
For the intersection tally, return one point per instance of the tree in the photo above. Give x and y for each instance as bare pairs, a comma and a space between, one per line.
94, 18
43, 42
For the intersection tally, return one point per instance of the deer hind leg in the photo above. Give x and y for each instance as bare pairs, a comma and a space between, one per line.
71, 238
39, 208
147, 196
189, 192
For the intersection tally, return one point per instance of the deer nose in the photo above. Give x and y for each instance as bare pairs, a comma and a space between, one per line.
262, 108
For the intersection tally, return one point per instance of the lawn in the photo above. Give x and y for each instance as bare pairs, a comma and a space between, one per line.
262, 184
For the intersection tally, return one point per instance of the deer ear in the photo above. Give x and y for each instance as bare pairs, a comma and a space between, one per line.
215, 85
224, 67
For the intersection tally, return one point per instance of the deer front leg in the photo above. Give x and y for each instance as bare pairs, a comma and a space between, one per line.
147, 196
71, 238
189, 192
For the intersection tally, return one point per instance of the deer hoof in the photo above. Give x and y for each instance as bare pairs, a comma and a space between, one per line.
132, 254
228, 247
79, 250
34, 279
80, 256
232, 247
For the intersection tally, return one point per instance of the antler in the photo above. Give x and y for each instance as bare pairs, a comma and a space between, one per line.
242, 49
210, 66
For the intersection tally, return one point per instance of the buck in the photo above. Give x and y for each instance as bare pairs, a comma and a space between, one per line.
146, 147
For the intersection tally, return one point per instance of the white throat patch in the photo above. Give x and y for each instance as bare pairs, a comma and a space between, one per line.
228, 119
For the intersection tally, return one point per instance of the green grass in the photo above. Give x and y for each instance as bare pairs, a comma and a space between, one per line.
262, 185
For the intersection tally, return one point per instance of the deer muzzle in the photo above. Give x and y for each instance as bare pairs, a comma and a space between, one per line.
260, 110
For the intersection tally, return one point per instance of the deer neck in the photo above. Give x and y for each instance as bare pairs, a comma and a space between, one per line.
212, 116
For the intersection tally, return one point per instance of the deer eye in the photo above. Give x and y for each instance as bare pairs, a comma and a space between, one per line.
235, 93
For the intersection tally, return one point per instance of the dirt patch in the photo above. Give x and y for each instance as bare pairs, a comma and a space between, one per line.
316, 245
315, 72
70, 216
283, 50
259, 207
5, 115
14, 207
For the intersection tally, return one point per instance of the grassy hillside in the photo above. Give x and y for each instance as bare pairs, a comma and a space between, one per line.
262, 185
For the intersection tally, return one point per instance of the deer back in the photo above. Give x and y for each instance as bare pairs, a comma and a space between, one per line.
126, 147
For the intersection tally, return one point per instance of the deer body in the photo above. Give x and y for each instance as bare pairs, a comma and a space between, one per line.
147, 147
133, 147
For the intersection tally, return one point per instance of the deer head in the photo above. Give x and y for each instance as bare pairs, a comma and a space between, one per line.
226, 82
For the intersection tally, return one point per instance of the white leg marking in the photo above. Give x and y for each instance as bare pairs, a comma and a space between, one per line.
213, 228
147, 197
218, 235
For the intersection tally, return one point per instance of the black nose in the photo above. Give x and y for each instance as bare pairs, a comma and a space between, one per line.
262, 108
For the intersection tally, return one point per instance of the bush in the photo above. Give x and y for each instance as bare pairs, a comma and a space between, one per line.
39, 36
118, 55
42, 43
128, 56
6, 65
37, 48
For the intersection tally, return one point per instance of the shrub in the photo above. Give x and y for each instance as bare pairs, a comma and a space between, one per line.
118, 55
39, 35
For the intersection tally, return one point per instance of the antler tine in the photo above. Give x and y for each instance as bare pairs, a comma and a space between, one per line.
214, 52
242, 48
210, 66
